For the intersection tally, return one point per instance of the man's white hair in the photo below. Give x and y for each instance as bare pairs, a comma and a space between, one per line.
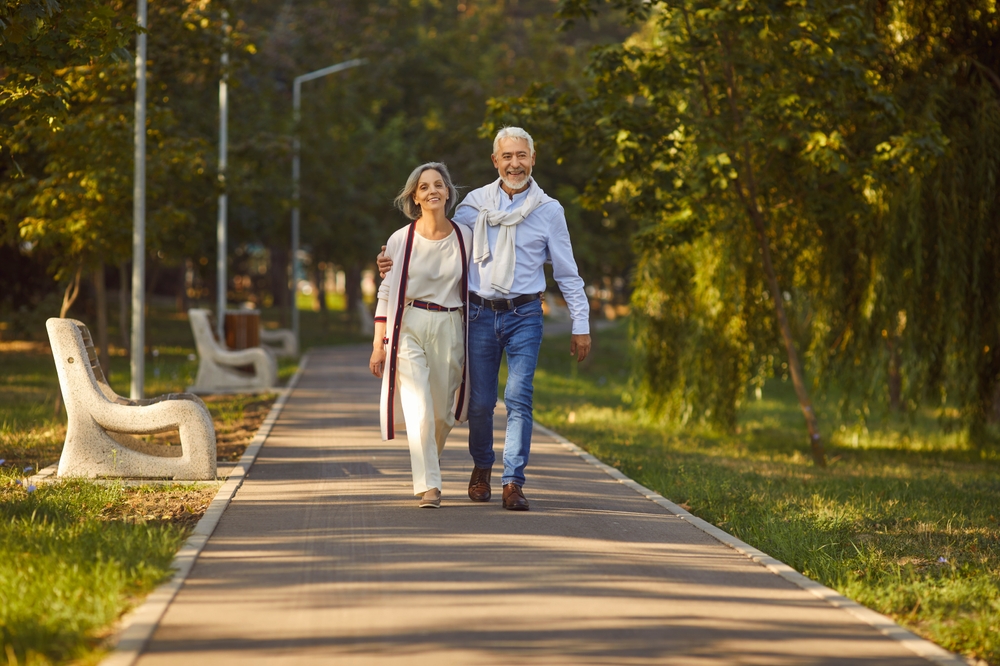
513, 133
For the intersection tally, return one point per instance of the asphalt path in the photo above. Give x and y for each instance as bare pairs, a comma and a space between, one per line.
323, 557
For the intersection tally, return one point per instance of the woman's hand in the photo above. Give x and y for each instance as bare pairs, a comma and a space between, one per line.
377, 362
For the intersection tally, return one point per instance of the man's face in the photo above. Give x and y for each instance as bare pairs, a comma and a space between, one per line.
513, 161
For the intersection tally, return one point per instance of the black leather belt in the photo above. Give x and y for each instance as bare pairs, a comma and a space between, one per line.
433, 307
503, 304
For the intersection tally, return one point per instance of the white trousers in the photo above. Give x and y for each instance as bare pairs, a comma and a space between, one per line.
429, 371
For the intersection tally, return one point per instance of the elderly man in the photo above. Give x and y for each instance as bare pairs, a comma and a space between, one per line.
517, 228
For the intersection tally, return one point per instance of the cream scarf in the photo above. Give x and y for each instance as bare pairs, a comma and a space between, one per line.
486, 201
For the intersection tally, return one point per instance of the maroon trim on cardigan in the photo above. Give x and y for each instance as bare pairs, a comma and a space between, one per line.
465, 317
379, 319
400, 304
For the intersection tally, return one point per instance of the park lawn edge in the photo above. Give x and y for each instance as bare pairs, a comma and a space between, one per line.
137, 627
883, 624
859, 505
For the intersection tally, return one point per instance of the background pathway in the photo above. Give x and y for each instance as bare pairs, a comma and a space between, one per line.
323, 557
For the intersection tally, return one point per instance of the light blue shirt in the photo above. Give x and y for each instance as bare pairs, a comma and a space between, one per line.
542, 237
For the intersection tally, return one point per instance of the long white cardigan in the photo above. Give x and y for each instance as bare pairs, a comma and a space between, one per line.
393, 291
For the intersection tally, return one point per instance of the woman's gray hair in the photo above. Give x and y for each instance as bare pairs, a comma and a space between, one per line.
513, 133
404, 200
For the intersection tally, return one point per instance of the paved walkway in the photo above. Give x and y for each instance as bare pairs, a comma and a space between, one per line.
323, 557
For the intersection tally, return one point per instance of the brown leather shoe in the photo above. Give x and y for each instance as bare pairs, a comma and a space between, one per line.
513, 498
479, 484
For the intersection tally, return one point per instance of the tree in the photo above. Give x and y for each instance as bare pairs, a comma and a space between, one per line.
39, 39
72, 197
928, 310
819, 170
431, 67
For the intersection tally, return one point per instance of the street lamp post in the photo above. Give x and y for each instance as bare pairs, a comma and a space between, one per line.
137, 356
221, 225
297, 106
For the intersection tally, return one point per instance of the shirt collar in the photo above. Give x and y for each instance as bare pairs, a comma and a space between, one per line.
507, 201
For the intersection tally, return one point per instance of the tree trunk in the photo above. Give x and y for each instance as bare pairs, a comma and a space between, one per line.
994, 415
895, 378
352, 286
280, 284
182, 286
746, 188
69, 296
320, 274
794, 365
101, 294
154, 270
123, 303
72, 291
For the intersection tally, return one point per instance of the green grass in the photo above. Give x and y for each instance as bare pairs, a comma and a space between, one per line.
67, 570
904, 520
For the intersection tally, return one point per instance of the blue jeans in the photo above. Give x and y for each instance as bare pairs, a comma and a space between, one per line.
518, 333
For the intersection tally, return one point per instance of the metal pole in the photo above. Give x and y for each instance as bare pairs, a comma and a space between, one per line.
137, 357
297, 117
221, 229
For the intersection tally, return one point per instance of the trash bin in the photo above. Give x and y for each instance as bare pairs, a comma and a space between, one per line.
242, 329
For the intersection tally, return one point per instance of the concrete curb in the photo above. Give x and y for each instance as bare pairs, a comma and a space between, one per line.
138, 626
922, 647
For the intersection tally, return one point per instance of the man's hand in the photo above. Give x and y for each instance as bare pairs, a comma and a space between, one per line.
384, 263
579, 346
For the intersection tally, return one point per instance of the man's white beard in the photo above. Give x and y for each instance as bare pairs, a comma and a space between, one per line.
516, 184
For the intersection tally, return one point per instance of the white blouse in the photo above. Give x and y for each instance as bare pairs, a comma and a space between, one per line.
435, 271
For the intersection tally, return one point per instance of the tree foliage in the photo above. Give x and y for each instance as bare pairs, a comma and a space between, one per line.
71, 196
39, 39
431, 67
927, 302
829, 164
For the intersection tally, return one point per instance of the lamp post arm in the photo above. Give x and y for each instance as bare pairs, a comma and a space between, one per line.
332, 69
296, 172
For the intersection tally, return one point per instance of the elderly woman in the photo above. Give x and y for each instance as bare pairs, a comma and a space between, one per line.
420, 326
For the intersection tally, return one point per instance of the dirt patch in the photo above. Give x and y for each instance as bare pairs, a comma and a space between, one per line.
237, 420
180, 506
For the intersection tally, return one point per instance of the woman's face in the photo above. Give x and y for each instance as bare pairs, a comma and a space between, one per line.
431, 193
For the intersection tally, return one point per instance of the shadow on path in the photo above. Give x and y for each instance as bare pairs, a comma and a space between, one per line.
323, 557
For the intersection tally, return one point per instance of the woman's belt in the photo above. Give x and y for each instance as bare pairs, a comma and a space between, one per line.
502, 304
433, 307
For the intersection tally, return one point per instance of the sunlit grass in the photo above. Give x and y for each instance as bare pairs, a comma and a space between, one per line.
68, 570
904, 520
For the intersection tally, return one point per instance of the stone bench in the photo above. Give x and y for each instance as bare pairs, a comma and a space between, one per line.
101, 424
221, 370
281, 341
